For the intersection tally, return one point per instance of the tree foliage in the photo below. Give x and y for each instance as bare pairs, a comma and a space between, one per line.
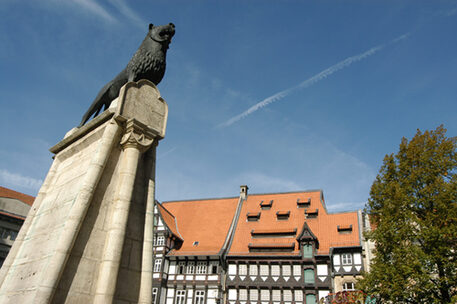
413, 207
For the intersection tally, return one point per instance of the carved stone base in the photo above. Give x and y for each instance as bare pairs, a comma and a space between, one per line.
88, 236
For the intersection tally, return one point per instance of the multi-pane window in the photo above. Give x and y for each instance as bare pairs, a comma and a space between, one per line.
275, 270
286, 270
4, 232
276, 295
346, 258
181, 267
154, 295
253, 295
242, 269
287, 294
180, 297
349, 286
264, 270
297, 270
243, 294
159, 240
157, 264
253, 270
298, 295
199, 297
264, 295
190, 268
201, 267
309, 276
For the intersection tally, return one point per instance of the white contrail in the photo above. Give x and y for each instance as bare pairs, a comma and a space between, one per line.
310, 81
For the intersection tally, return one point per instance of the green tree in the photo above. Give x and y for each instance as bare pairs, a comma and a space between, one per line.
413, 207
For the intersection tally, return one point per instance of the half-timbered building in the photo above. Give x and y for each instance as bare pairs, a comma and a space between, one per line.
257, 248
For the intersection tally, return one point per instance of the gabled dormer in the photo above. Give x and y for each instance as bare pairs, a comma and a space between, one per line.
308, 242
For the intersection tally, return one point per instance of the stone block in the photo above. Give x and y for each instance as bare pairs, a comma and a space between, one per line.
84, 243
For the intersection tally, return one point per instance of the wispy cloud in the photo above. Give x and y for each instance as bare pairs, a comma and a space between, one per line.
95, 8
15, 179
160, 156
122, 6
310, 81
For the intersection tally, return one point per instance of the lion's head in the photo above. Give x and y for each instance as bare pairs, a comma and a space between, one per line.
162, 33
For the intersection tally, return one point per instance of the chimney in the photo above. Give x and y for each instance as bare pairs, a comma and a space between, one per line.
244, 191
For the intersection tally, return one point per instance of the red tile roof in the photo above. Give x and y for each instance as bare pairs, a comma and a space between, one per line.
5, 192
324, 226
204, 221
170, 221
208, 221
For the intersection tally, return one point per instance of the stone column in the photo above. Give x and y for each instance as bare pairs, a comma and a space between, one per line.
145, 296
135, 141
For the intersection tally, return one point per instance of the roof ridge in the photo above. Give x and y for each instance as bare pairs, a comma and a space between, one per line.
8, 193
199, 199
250, 194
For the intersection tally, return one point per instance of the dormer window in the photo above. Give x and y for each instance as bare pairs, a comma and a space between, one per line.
303, 203
282, 215
309, 214
266, 204
253, 216
344, 228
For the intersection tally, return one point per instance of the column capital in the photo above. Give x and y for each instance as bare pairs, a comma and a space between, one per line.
137, 135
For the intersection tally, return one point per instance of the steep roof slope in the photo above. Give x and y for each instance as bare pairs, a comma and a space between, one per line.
279, 233
203, 224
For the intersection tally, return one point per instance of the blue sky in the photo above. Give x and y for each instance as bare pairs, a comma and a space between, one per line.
279, 95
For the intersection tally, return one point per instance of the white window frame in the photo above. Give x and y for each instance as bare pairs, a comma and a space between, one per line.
264, 270
275, 270
155, 291
297, 270
242, 269
190, 269
159, 240
298, 294
264, 295
213, 266
199, 297
183, 265
276, 295
243, 294
157, 265
253, 270
287, 295
286, 270
253, 295
180, 297
201, 268
347, 288
346, 258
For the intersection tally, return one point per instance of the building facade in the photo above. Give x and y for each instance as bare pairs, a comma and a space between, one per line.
14, 207
257, 248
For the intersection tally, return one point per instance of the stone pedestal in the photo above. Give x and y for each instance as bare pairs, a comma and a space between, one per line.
88, 236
